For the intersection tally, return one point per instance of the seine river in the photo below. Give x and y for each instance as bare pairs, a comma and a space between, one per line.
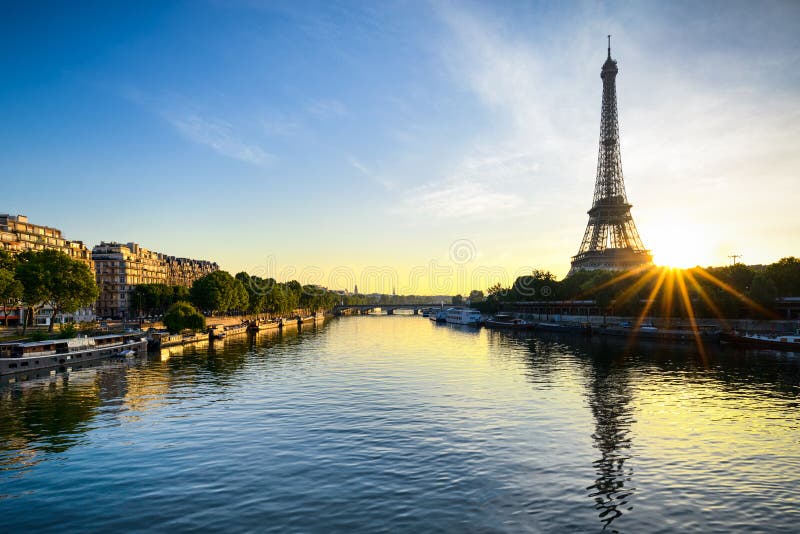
381, 423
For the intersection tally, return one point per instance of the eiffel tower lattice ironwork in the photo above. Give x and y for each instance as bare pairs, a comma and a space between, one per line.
611, 240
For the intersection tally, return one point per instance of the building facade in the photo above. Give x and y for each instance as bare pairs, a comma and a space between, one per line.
120, 267
18, 235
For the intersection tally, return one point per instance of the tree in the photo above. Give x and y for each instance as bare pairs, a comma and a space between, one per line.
215, 292
183, 316
180, 293
258, 290
738, 276
7, 261
51, 277
32, 277
763, 292
72, 286
10, 290
497, 290
539, 285
458, 300
785, 274
154, 299
240, 299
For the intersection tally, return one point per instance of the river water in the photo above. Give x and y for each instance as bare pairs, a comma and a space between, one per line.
394, 423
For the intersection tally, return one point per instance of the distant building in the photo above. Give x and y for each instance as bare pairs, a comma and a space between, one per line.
18, 235
120, 267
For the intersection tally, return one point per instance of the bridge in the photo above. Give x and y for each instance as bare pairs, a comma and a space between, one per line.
363, 309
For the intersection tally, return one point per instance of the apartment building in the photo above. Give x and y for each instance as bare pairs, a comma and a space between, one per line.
17, 234
120, 267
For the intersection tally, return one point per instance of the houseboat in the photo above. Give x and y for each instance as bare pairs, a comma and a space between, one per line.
565, 328
650, 332
264, 324
438, 315
505, 321
20, 357
463, 316
787, 342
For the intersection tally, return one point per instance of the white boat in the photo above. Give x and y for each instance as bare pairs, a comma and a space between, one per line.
438, 315
463, 316
772, 341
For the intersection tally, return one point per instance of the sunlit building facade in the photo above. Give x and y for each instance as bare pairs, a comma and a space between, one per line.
17, 235
120, 267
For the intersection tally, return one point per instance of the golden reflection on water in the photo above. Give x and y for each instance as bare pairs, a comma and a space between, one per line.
646, 423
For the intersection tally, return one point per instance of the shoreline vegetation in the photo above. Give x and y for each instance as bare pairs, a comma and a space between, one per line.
51, 279
732, 292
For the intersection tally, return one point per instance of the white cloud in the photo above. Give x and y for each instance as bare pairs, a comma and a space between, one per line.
462, 199
484, 185
220, 136
501, 174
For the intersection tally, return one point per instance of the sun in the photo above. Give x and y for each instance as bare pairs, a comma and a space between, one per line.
676, 246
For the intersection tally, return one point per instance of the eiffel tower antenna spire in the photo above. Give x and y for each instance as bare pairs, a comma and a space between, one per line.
611, 240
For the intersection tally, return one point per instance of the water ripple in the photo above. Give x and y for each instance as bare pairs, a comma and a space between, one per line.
378, 424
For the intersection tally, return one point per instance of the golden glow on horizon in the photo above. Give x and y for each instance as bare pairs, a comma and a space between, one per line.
668, 280
676, 246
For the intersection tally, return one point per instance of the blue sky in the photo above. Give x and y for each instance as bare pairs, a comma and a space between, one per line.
322, 135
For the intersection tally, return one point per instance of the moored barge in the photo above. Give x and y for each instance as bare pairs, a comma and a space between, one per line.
29, 356
784, 342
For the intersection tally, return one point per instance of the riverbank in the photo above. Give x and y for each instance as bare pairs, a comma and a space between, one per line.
750, 325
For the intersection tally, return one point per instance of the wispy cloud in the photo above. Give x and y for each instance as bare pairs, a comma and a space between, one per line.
326, 108
218, 135
497, 174
452, 199
369, 173
482, 186
280, 125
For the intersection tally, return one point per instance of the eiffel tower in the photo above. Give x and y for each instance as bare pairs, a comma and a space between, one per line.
611, 240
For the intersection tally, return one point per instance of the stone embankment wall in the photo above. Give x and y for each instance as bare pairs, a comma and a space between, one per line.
750, 325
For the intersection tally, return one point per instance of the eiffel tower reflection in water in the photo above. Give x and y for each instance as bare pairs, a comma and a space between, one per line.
610, 398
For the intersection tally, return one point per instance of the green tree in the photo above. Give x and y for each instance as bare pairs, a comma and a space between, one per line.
183, 316
8, 261
763, 291
458, 300
240, 299
154, 299
179, 293
51, 277
785, 274
10, 291
539, 285
215, 292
